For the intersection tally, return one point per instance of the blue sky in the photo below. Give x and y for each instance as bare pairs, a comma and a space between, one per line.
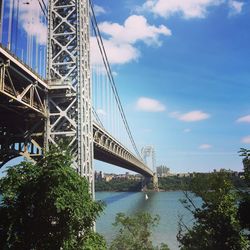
183, 75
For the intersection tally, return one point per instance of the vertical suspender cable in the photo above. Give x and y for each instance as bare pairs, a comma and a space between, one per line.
99, 87
12, 44
44, 61
40, 62
17, 26
94, 82
27, 49
37, 46
110, 106
107, 99
113, 115
104, 97
31, 51
10, 25
1, 20
93, 86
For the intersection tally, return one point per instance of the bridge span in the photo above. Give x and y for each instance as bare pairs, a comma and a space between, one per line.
23, 113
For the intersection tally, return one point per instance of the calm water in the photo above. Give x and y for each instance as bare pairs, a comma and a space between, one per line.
165, 204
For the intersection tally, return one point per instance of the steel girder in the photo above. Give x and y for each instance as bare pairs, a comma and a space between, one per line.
68, 73
22, 109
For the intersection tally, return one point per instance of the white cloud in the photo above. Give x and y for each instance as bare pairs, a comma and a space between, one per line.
205, 146
119, 40
244, 119
149, 105
135, 28
187, 130
235, 7
30, 16
186, 8
99, 10
192, 116
117, 53
246, 139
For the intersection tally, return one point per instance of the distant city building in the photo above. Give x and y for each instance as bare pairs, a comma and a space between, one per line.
162, 171
100, 176
108, 177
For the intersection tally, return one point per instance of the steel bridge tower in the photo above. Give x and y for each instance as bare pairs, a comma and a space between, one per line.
148, 152
68, 74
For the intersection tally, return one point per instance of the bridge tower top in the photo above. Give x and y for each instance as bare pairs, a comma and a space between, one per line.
148, 156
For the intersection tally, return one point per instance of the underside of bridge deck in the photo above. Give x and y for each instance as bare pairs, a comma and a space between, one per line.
106, 156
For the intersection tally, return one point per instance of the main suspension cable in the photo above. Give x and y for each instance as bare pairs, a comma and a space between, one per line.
110, 75
43, 8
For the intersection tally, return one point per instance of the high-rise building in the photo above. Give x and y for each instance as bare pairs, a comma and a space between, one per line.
162, 171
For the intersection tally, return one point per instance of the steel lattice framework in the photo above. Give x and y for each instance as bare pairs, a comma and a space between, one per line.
149, 152
68, 73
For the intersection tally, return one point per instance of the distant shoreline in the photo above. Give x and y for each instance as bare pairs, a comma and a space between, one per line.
147, 191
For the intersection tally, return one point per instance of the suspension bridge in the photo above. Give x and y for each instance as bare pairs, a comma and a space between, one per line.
52, 89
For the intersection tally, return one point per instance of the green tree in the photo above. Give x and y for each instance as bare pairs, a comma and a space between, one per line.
216, 225
246, 163
47, 205
121, 185
135, 232
244, 204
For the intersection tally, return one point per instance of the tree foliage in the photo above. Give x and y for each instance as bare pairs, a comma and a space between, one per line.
246, 164
47, 205
244, 204
173, 183
121, 185
216, 225
135, 232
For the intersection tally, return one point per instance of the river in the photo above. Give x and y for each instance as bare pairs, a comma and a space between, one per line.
166, 204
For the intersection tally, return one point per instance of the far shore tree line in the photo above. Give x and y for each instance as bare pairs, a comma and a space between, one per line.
168, 183
46, 205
